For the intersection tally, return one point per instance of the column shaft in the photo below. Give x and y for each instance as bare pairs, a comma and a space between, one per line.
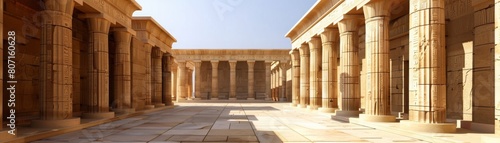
174, 76
1, 63
181, 80
304, 75
122, 70
295, 77
315, 73
149, 91
197, 78
330, 50
56, 81
167, 80
428, 63
268, 79
251, 90
232, 80
215, 80
283, 65
349, 88
497, 67
157, 78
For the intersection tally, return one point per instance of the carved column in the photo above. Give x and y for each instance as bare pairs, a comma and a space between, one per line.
149, 75
197, 78
251, 90
215, 80
315, 73
427, 89
1, 63
349, 102
174, 76
283, 65
273, 84
181, 80
304, 75
295, 77
378, 64
56, 78
268, 79
167, 80
232, 80
123, 72
330, 39
157, 78
98, 69
497, 67
189, 84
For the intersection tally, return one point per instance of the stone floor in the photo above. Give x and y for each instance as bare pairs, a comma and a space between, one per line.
229, 122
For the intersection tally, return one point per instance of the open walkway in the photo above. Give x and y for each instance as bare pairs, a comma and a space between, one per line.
230, 122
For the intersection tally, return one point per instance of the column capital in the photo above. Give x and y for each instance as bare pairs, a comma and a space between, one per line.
314, 43
197, 64
330, 35
64, 6
304, 50
214, 61
378, 8
157, 53
99, 25
97, 16
294, 53
350, 23
232, 65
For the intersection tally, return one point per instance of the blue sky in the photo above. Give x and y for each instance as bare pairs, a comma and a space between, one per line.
227, 24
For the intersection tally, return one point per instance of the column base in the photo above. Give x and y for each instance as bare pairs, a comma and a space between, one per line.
312, 107
102, 115
232, 99
327, 110
147, 107
282, 99
347, 113
377, 118
250, 98
159, 105
302, 106
5, 135
124, 110
214, 98
56, 123
429, 128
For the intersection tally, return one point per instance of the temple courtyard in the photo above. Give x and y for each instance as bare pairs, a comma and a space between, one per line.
241, 122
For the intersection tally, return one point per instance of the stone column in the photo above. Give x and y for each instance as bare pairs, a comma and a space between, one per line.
295, 77
123, 72
497, 67
283, 65
98, 69
330, 49
215, 80
189, 84
377, 92
181, 80
273, 83
315, 73
174, 76
197, 78
149, 82
167, 80
251, 90
304, 75
1, 63
232, 80
427, 89
349, 102
268, 79
56, 78
157, 78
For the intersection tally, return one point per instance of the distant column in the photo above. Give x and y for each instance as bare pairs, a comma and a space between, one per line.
157, 78
197, 78
497, 67
268, 80
304, 75
149, 82
295, 77
174, 76
283, 66
215, 80
181, 80
232, 80
167, 80
251, 90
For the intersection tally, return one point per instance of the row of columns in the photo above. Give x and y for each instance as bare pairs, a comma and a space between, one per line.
278, 81
182, 90
315, 64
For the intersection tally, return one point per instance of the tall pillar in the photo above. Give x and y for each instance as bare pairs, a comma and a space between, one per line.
273, 84
378, 64
197, 78
349, 102
295, 77
123, 72
167, 80
174, 76
189, 84
315, 73
283, 65
149, 77
251, 90
98, 69
497, 67
330, 39
181, 80
232, 80
1, 63
215, 80
304, 75
427, 89
157, 78
268, 79
56, 78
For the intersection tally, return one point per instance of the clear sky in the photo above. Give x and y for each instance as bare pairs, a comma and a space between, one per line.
227, 24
